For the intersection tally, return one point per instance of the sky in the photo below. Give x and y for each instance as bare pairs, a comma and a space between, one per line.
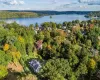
58, 5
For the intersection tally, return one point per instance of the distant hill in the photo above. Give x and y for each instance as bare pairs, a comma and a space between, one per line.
33, 13
93, 14
53, 12
13, 14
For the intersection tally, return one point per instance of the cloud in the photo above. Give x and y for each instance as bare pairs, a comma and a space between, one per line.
12, 2
21, 2
90, 2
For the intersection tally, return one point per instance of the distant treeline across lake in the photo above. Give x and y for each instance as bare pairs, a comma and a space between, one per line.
52, 12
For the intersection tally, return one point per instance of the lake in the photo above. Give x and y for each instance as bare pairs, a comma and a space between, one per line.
39, 20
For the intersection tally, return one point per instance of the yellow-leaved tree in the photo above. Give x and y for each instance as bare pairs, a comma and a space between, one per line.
15, 64
21, 39
16, 56
6, 47
3, 72
92, 63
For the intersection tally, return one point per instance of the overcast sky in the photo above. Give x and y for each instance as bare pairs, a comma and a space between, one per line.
60, 5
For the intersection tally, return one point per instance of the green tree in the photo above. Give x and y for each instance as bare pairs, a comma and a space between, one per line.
3, 72
31, 26
88, 43
56, 69
36, 25
4, 58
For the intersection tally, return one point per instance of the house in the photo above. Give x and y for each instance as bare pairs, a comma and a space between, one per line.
49, 28
64, 27
39, 44
83, 32
76, 28
36, 28
35, 65
41, 28
35, 32
98, 37
98, 75
68, 31
91, 26
94, 52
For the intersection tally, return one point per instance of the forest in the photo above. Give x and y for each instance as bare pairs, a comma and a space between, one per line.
52, 12
9, 14
93, 14
50, 51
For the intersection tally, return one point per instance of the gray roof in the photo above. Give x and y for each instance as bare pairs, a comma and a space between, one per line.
35, 65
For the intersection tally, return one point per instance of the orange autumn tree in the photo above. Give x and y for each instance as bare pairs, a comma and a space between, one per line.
49, 47
16, 67
61, 36
6, 47
61, 33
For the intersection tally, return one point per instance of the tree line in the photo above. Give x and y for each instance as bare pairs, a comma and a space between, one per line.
8, 14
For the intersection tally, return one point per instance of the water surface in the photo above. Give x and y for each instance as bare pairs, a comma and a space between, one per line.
39, 20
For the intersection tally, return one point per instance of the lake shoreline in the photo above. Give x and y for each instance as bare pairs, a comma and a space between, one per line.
55, 18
